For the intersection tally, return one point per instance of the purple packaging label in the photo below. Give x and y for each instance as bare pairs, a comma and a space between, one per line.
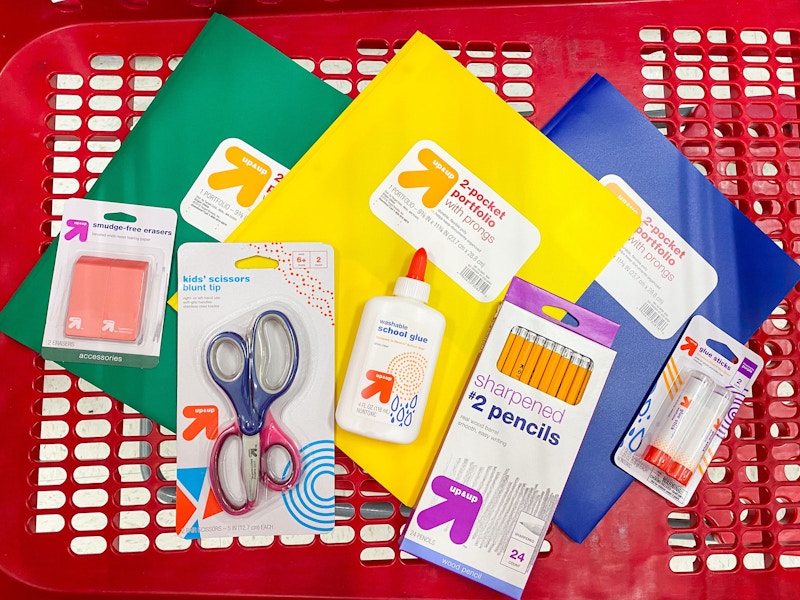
462, 569
461, 506
77, 228
534, 299
748, 368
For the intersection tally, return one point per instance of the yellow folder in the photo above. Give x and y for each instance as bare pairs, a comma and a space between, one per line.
427, 155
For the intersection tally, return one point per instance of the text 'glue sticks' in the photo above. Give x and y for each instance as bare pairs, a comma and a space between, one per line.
685, 428
545, 365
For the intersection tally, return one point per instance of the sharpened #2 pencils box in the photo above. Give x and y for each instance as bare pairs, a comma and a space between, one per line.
488, 502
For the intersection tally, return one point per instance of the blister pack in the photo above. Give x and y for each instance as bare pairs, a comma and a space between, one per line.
255, 389
109, 284
689, 411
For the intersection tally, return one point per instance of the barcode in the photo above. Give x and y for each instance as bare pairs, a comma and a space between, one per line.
651, 314
475, 280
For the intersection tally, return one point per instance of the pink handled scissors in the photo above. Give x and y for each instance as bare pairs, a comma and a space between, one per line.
266, 365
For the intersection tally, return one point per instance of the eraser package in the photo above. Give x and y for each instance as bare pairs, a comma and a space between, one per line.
689, 411
255, 389
489, 500
109, 284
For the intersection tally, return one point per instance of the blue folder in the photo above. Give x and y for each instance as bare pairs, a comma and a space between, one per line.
607, 135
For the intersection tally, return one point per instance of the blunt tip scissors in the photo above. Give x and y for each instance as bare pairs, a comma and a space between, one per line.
253, 373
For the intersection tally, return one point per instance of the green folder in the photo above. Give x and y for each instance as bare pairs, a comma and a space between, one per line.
230, 84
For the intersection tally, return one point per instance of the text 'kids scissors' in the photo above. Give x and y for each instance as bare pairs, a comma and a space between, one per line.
253, 374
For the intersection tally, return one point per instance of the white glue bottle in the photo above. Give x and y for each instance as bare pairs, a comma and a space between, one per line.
391, 367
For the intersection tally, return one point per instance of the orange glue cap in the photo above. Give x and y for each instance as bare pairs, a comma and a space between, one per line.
657, 457
679, 473
418, 264
413, 285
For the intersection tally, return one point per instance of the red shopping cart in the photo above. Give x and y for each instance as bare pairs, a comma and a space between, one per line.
89, 490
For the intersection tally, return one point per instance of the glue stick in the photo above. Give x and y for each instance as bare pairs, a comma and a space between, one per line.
391, 367
673, 418
696, 433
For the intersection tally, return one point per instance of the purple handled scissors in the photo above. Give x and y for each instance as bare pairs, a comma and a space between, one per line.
266, 365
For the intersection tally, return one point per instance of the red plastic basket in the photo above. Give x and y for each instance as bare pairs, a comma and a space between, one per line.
88, 506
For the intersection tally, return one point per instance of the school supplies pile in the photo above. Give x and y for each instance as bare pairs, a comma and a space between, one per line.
583, 253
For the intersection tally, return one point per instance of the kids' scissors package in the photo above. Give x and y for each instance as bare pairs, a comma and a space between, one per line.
255, 389
689, 411
488, 502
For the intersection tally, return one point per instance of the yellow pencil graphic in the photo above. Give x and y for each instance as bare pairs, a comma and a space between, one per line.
559, 371
579, 383
541, 364
550, 368
508, 356
569, 376
545, 365
533, 358
585, 380
524, 354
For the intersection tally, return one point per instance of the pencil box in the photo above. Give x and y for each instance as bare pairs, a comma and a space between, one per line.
495, 484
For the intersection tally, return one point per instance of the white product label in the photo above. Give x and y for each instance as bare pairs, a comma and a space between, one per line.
389, 391
470, 232
524, 544
235, 179
656, 276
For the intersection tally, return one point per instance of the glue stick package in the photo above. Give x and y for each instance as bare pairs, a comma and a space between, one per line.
255, 390
109, 284
689, 411
488, 502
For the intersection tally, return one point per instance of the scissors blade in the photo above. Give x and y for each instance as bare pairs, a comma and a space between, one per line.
251, 465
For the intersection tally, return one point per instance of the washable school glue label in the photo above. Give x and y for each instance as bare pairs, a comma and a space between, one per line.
433, 201
656, 276
234, 181
390, 387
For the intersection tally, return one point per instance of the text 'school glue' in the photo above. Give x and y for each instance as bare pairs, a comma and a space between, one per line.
676, 418
391, 366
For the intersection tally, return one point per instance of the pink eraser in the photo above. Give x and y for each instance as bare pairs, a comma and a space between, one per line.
86, 297
106, 298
